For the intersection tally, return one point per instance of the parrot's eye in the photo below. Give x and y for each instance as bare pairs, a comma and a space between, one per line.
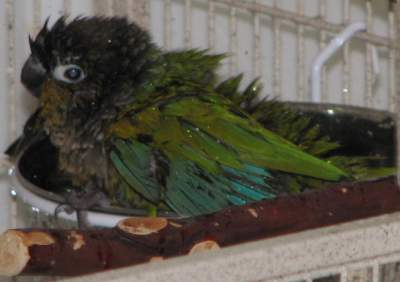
69, 73
73, 73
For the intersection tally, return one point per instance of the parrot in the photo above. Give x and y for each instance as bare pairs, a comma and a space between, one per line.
150, 128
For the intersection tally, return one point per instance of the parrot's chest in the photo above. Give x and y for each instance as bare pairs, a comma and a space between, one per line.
84, 159
81, 154
83, 165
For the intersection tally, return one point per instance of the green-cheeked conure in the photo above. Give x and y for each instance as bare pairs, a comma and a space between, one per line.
156, 128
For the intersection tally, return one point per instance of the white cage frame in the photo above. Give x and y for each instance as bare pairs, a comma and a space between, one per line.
325, 251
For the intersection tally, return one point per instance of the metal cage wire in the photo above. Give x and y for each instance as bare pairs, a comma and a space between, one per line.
278, 18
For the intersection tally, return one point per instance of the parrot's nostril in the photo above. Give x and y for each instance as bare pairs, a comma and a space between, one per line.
33, 75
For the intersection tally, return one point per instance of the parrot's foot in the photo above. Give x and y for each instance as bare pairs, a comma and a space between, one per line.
153, 211
81, 215
82, 201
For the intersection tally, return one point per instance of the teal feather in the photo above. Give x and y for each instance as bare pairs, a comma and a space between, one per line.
254, 175
190, 189
236, 200
132, 161
249, 192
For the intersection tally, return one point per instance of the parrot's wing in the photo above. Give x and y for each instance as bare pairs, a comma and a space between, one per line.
214, 155
244, 140
189, 188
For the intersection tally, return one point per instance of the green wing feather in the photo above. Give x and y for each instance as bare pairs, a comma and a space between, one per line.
287, 122
217, 155
132, 159
247, 139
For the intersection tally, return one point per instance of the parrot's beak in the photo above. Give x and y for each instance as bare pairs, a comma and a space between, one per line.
33, 75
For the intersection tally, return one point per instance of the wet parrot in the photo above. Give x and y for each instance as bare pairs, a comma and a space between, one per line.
154, 128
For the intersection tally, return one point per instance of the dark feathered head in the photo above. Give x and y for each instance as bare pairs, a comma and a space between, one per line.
88, 53
84, 70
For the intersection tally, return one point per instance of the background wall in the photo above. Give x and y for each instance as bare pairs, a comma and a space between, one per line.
172, 28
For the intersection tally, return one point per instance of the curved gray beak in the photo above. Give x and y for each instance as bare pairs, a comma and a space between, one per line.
33, 75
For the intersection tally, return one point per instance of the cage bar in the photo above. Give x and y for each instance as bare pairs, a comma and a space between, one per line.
37, 15
67, 7
368, 58
233, 66
188, 23
104, 7
322, 44
301, 66
346, 80
131, 9
257, 45
119, 8
392, 61
289, 16
11, 71
139, 12
397, 111
343, 275
375, 271
146, 14
211, 25
277, 53
12, 94
167, 23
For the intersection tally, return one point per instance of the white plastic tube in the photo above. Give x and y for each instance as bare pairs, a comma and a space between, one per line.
336, 43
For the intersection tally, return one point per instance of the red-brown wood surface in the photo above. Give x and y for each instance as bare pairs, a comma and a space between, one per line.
117, 247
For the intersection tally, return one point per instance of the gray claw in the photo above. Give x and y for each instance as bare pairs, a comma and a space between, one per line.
81, 201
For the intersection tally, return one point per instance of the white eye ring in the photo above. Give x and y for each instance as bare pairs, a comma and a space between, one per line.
68, 73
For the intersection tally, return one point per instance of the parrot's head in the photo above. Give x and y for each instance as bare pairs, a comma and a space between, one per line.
79, 67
